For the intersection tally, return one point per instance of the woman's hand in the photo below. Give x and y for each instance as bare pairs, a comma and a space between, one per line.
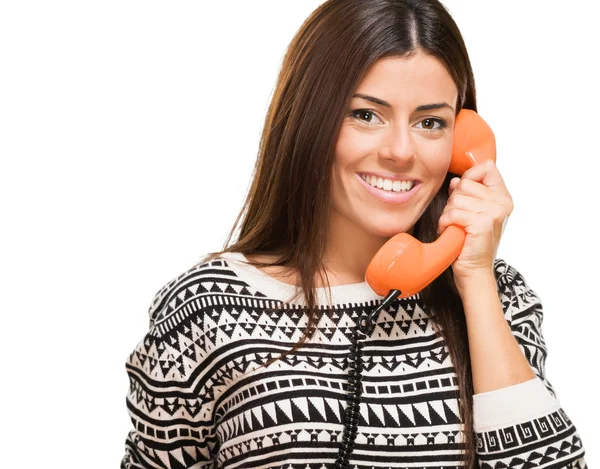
479, 202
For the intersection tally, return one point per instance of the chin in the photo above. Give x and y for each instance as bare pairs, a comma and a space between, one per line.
387, 230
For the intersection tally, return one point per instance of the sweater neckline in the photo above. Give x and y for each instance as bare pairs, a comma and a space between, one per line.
355, 293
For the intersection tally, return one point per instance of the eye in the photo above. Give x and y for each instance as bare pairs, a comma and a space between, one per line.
430, 121
363, 112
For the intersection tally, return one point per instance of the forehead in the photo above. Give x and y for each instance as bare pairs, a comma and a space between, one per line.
405, 81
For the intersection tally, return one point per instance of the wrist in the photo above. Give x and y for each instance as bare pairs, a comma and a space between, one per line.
475, 281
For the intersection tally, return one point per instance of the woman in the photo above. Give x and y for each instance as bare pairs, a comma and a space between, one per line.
251, 359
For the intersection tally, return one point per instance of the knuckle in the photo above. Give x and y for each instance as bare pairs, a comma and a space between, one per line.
489, 223
459, 198
500, 213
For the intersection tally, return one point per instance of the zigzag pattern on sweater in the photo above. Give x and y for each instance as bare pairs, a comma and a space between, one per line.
202, 396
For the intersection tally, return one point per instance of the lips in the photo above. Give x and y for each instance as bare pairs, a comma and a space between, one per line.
391, 177
389, 197
388, 184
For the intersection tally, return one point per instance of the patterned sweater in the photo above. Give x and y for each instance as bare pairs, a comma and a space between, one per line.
200, 397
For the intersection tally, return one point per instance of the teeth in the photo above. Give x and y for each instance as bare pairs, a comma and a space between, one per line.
388, 184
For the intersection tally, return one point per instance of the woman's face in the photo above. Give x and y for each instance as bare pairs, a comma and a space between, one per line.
393, 141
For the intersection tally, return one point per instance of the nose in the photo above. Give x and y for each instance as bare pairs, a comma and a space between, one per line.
398, 145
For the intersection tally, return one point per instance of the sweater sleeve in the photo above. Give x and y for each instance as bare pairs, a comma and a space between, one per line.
169, 400
524, 425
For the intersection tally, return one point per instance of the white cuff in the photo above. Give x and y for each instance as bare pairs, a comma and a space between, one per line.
513, 404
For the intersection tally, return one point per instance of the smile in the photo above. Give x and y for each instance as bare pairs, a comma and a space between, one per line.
387, 184
406, 191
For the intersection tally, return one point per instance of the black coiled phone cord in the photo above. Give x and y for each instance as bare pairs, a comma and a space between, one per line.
365, 326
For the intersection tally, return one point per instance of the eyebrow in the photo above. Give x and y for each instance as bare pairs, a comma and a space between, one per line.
424, 107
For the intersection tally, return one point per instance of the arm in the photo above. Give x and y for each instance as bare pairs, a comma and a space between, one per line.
517, 419
516, 413
172, 422
491, 340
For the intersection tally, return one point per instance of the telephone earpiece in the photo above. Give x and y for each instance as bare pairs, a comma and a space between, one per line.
404, 264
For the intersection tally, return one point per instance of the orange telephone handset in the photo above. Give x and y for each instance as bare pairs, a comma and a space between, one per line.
405, 264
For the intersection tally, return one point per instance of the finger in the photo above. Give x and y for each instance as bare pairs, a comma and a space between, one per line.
497, 211
470, 187
487, 173
452, 185
476, 190
480, 212
468, 202
487, 220
456, 216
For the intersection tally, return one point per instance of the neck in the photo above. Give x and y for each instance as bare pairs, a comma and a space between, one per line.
349, 251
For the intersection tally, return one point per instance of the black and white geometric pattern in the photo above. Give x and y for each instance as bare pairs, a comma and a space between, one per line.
201, 397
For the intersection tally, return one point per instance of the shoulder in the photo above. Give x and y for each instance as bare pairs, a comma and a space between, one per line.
503, 270
505, 275
190, 293
508, 277
516, 295
182, 314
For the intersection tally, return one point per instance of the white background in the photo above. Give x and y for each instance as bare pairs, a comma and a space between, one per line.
128, 132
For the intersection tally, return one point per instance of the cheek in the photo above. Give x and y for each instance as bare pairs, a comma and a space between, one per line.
346, 149
438, 169
437, 159
350, 151
351, 147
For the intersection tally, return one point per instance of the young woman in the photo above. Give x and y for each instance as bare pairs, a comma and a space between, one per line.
252, 358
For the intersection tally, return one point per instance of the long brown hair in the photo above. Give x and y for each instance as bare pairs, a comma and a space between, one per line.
287, 207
